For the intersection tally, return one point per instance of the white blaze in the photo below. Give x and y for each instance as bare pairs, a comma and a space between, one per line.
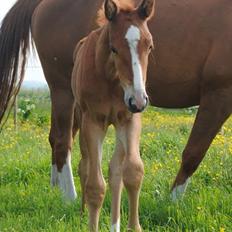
133, 37
66, 181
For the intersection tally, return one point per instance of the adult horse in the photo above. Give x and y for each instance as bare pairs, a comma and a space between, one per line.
193, 67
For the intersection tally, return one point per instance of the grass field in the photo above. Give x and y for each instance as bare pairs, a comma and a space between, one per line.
27, 203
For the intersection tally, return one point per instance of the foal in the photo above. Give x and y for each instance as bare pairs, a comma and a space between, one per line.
108, 83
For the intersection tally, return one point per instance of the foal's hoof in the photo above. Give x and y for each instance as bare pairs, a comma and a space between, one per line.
136, 229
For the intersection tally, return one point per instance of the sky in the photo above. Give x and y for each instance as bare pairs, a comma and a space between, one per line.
34, 71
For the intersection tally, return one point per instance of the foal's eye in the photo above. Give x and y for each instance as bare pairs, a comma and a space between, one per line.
114, 50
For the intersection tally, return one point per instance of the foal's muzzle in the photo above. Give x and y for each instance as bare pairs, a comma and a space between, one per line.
137, 104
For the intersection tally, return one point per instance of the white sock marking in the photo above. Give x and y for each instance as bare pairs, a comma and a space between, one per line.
115, 227
54, 175
179, 191
66, 181
133, 36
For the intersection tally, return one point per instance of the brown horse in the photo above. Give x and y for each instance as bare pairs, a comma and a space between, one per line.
108, 83
193, 65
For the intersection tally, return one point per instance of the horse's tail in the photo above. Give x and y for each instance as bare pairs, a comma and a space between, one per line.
14, 44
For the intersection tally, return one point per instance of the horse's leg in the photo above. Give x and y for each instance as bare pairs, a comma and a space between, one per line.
61, 137
54, 171
215, 108
116, 184
92, 134
133, 169
53, 132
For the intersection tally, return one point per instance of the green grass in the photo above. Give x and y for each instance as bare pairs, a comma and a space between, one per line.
27, 203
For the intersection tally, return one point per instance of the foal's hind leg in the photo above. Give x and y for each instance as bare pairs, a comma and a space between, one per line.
116, 184
76, 121
61, 139
83, 165
215, 108
83, 169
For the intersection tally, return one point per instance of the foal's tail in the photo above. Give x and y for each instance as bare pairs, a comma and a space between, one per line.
14, 44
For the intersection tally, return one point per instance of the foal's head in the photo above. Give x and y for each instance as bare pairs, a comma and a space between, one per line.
130, 44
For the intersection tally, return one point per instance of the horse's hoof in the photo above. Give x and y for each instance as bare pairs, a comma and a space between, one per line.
54, 176
178, 191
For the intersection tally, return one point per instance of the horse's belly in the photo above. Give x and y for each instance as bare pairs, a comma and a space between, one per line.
185, 33
176, 95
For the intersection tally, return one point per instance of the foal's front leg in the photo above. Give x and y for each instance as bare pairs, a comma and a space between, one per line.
132, 170
93, 133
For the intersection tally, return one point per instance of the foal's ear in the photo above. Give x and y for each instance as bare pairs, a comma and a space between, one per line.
146, 9
111, 9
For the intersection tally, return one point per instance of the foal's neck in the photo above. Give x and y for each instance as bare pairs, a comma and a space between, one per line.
105, 66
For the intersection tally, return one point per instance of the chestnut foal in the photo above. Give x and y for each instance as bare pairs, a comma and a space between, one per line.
108, 83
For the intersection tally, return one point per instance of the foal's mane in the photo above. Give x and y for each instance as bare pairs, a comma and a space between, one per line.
123, 5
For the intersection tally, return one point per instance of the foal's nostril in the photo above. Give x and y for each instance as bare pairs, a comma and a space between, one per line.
147, 101
130, 101
131, 104
132, 107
